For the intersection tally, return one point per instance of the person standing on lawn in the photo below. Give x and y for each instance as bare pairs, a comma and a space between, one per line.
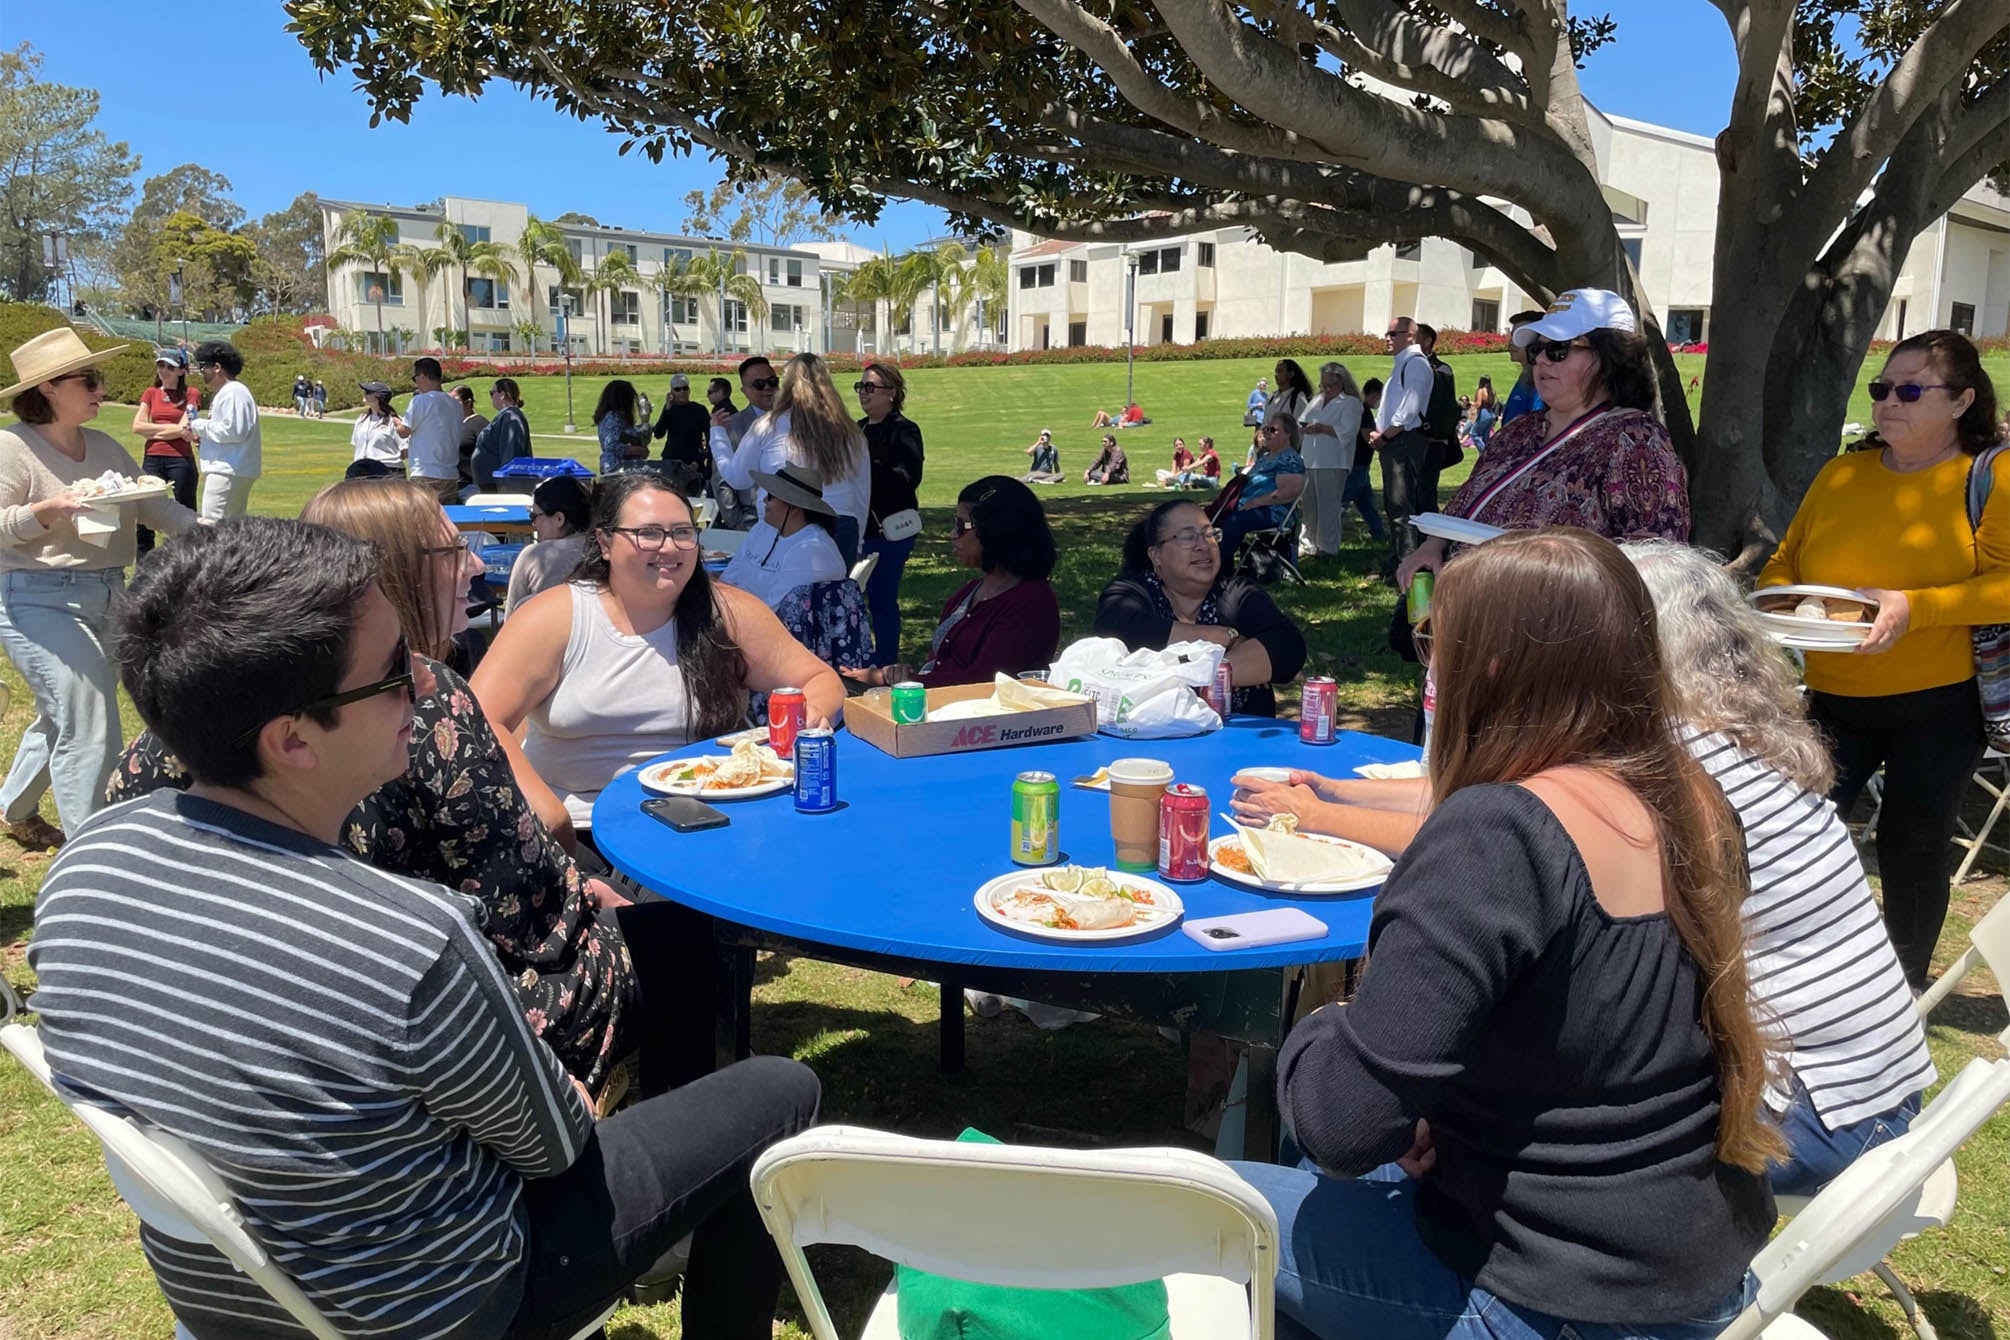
232, 449
167, 408
433, 433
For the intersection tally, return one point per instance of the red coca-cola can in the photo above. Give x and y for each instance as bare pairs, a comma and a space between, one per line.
1183, 832
787, 709
1316, 710
1221, 693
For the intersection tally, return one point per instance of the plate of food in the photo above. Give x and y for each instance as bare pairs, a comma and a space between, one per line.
1078, 903
750, 770
113, 487
1455, 528
1819, 618
1279, 859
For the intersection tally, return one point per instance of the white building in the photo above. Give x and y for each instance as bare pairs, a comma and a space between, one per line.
512, 312
1660, 183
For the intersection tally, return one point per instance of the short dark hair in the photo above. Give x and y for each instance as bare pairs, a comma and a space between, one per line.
1370, 387
891, 375
234, 625
31, 406
508, 387
1426, 334
564, 496
1011, 527
1625, 368
757, 361
1954, 358
426, 367
1138, 544
221, 352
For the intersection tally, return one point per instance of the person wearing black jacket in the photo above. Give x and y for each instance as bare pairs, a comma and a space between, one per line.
684, 426
893, 443
1441, 417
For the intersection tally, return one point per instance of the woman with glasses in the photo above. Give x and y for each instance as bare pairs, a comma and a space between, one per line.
1172, 589
893, 444
1894, 524
58, 582
1275, 480
1595, 456
640, 653
506, 437
559, 516
1007, 619
166, 410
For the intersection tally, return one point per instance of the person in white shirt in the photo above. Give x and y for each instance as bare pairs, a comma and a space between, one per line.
375, 436
227, 438
791, 545
1399, 432
433, 429
759, 384
808, 426
1330, 425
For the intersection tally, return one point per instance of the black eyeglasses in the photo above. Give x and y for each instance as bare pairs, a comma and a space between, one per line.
651, 539
862, 387
1556, 351
1192, 536
764, 383
460, 546
90, 377
402, 682
1908, 392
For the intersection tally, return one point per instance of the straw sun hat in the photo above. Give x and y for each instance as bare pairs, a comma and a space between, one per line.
52, 354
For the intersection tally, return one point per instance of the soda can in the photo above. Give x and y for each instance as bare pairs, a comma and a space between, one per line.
1221, 693
1421, 587
787, 709
910, 703
1183, 832
1316, 710
816, 770
1036, 818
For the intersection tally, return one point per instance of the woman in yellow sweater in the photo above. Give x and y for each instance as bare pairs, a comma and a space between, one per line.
1894, 524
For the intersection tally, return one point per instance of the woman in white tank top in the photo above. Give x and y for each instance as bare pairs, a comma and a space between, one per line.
644, 655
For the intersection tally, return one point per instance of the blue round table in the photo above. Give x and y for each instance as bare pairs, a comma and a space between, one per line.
503, 519
886, 883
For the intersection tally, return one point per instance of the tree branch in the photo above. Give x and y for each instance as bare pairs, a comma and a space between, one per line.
1976, 121
1386, 42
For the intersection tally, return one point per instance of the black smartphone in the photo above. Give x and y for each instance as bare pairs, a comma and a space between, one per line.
686, 814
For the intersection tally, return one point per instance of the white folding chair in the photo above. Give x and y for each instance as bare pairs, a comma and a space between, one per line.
725, 541
1988, 943
176, 1194
861, 571
1891, 1193
1027, 1218
1994, 779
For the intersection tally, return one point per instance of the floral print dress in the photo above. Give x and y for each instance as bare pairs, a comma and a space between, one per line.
457, 818
1618, 477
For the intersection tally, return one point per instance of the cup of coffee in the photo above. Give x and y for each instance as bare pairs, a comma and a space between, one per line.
1136, 785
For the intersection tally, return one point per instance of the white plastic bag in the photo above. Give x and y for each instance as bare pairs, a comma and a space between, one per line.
1143, 694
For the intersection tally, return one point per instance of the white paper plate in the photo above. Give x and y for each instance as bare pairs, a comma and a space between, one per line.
140, 494
1167, 911
1799, 643
1811, 634
658, 777
1355, 885
1455, 528
1391, 772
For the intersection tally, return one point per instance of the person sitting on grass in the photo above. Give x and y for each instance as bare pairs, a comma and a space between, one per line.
1181, 473
1046, 460
338, 1042
1110, 465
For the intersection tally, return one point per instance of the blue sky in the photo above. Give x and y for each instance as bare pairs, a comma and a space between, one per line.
250, 105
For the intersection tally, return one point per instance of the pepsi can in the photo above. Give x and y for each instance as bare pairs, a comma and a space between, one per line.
816, 770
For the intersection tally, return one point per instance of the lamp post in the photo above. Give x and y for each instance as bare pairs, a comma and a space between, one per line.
565, 338
1130, 323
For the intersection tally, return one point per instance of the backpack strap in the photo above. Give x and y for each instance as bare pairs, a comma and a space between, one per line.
1981, 477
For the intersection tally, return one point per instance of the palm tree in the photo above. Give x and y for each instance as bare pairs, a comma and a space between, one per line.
726, 275
987, 281
611, 273
544, 244
457, 251
368, 240
873, 283
931, 270
423, 264
680, 277
489, 260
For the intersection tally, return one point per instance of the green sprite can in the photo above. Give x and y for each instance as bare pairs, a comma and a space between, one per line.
1421, 587
1036, 819
910, 703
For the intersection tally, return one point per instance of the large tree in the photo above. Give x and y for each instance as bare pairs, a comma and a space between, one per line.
1325, 126
766, 207
191, 190
59, 177
291, 270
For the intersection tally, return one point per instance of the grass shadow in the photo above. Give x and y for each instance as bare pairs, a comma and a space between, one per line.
1847, 1309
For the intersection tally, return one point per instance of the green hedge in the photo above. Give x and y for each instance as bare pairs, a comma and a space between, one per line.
127, 375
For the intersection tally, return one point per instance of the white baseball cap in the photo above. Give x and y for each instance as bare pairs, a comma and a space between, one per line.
1578, 312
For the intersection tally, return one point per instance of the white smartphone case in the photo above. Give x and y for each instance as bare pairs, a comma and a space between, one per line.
1250, 930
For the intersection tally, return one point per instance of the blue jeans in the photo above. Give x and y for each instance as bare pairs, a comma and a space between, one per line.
882, 595
1817, 1155
1350, 1263
1360, 494
53, 624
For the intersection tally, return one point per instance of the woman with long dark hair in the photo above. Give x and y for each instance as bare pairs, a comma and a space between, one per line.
622, 427
166, 410
1552, 1066
640, 653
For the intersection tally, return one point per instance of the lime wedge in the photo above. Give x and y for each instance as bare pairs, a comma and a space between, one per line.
1062, 879
1100, 886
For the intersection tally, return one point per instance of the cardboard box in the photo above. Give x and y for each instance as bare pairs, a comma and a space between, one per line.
871, 719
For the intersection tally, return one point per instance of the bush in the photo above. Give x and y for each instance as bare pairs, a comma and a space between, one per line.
126, 376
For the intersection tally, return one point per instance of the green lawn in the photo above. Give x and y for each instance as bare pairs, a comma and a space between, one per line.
69, 1265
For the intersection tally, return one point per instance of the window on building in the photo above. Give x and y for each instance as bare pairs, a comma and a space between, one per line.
676, 255
1685, 325
775, 270
489, 341
1962, 318
625, 248
1148, 262
1078, 334
1078, 272
373, 287
1165, 328
1036, 276
1486, 314
785, 316
1200, 319
553, 293
1169, 261
792, 274
625, 308
489, 294
475, 232
576, 248
1203, 255
736, 316
1631, 245
1412, 250
683, 311
1902, 304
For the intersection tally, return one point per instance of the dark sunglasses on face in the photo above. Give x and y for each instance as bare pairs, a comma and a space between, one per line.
863, 387
1556, 351
764, 383
401, 656
90, 377
1908, 392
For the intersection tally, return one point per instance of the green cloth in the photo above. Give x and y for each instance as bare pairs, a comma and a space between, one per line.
935, 1307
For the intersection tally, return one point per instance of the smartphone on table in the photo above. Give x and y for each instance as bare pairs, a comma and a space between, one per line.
685, 814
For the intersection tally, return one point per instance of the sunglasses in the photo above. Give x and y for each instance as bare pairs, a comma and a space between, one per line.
862, 387
764, 383
1556, 351
90, 377
401, 682
1908, 392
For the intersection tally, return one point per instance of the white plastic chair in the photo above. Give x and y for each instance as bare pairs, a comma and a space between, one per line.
1994, 779
176, 1194
1027, 1218
1893, 1192
861, 571
1988, 943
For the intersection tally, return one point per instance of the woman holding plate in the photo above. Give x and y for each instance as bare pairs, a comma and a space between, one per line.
1596, 457
57, 582
1894, 524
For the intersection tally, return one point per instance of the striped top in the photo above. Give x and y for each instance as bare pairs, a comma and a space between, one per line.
1824, 976
336, 1041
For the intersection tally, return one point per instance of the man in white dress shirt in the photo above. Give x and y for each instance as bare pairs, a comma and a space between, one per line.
1399, 432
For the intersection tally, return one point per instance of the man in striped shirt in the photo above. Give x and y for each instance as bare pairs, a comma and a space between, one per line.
336, 1041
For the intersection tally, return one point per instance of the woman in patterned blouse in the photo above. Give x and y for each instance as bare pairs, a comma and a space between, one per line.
1597, 457
457, 817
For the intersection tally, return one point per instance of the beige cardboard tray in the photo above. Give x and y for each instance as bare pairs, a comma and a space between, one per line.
871, 719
